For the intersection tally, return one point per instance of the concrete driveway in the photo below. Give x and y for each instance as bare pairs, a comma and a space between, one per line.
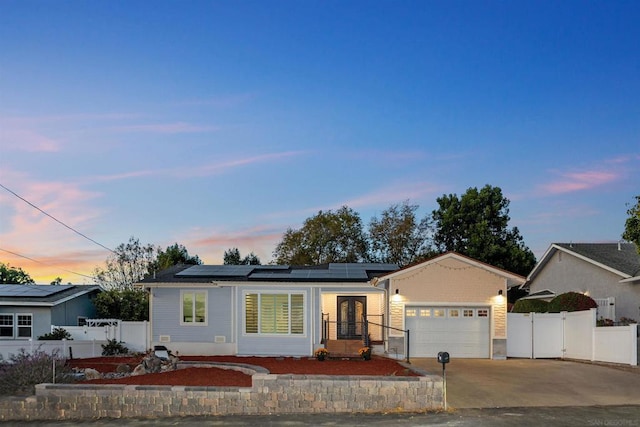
478, 383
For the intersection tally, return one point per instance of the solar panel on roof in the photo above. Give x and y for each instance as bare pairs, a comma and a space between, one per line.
30, 290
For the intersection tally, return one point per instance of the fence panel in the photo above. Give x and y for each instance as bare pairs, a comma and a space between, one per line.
578, 334
64, 348
616, 344
520, 335
548, 335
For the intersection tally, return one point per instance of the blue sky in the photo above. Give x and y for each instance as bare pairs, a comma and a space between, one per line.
219, 124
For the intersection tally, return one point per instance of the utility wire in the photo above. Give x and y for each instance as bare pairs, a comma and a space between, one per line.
44, 263
55, 219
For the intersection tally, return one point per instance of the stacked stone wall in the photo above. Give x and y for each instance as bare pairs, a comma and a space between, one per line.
269, 394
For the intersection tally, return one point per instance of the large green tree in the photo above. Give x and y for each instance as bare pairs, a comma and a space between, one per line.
632, 224
13, 275
325, 237
129, 263
173, 255
232, 257
399, 237
124, 304
477, 225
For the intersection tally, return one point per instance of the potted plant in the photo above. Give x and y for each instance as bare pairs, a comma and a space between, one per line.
365, 353
321, 353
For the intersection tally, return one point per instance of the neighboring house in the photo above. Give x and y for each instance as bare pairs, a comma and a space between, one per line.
263, 309
607, 272
28, 311
450, 303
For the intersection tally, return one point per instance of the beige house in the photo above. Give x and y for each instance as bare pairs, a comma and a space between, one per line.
449, 303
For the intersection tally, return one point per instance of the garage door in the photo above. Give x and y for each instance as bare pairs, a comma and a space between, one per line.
461, 331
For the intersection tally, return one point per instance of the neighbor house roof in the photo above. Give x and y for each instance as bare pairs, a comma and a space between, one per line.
332, 272
619, 258
42, 295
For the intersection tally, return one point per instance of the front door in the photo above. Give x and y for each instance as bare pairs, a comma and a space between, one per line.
350, 315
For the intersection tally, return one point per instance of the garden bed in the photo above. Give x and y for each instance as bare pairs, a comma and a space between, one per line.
201, 376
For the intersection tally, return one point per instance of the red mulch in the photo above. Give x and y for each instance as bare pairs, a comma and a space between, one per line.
378, 366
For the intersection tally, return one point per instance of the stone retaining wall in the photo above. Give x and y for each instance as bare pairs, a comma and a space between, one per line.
269, 394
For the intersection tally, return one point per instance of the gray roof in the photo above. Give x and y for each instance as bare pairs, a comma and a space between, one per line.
622, 257
42, 293
333, 272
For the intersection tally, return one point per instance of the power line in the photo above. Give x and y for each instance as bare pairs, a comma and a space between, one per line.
44, 263
55, 219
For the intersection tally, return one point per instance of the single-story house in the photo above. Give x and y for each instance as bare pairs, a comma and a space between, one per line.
607, 272
449, 303
28, 311
263, 309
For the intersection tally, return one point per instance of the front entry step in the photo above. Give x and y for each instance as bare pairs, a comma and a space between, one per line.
344, 348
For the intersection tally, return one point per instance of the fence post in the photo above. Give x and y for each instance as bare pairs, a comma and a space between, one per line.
408, 344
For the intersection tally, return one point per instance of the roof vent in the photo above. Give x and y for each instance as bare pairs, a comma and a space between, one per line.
619, 246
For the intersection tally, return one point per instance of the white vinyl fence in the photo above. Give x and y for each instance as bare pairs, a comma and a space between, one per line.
86, 341
64, 348
570, 335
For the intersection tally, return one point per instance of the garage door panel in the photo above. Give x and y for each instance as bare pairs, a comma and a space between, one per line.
461, 336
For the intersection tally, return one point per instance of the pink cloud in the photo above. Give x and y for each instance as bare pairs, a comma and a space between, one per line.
578, 181
27, 140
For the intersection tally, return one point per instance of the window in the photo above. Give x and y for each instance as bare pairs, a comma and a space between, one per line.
483, 312
281, 314
25, 324
194, 307
467, 312
6, 325
411, 312
454, 312
438, 312
425, 312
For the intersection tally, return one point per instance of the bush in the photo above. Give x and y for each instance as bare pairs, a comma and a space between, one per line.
530, 306
571, 301
21, 373
114, 348
56, 334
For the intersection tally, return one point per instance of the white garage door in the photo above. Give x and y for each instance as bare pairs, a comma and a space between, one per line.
461, 331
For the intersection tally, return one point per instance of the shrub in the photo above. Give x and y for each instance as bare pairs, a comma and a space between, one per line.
571, 301
21, 373
530, 306
114, 348
56, 334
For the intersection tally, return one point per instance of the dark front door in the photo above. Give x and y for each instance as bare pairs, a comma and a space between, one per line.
350, 313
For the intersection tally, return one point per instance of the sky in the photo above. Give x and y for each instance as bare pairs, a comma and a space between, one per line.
220, 124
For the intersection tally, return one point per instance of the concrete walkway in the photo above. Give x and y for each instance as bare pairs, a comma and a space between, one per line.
478, 383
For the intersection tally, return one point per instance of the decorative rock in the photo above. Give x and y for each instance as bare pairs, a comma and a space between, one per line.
123, 368
92, 374
139, 370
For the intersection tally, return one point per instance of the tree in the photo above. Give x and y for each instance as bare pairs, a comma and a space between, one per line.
124, 304
232, 257
129, 263
632, 224
13, 275
399, 237
476, 225
326, 237
173, 255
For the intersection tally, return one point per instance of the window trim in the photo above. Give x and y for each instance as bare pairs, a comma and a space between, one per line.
194, 292
17, 326
289, 294
12, 326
